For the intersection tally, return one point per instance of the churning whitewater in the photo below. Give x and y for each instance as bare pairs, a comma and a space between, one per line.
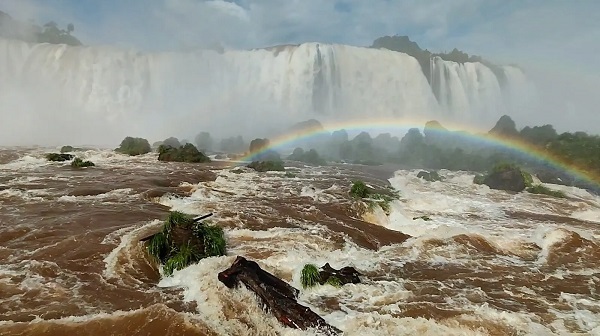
487, 263
98, 92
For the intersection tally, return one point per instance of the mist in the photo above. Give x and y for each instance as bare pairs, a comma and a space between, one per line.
180, 67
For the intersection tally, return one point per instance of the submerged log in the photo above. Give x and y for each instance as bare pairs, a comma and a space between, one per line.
276, 294
344, 275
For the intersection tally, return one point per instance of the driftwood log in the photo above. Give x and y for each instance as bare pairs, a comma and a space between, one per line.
345, 275
276, 294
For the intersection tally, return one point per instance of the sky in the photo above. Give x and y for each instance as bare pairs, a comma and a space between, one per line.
544, 30
555, 41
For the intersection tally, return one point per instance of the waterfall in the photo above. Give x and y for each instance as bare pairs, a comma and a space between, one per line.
116, 92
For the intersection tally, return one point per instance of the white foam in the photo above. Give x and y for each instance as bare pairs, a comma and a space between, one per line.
590, 215
115, 195
24, 163
114, 260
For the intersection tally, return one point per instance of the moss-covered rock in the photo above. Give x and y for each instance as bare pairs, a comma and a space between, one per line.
79, 163
187, 153
508, 177
184, 241
540, 189
425, 218
479, 179
134, 146
59, 157
312, 276
172, 142
431, 176
263, 166
66, 149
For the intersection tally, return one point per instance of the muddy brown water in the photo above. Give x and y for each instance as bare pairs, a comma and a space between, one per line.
70, 263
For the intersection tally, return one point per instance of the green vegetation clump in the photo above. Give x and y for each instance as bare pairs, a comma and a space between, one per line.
214, 241
134, 146
425, 218
309, 276
59, 157
182, 242
185, 256
540, 189
504, 166
79, 163
334, 281
527, 178
383, 201
263, 166
186, 153
359, 190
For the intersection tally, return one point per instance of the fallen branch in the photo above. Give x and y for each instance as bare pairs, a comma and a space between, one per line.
276, 294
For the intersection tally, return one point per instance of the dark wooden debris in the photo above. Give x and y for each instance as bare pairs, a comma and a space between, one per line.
277, 295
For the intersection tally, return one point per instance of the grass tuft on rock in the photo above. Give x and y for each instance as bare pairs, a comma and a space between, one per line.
334, 281
359, 190
309, 276
186, 255
214, 241
158, 245
182, 242
542, 190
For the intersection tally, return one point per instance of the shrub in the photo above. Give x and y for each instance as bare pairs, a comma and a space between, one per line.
334, 281
383, 201
182, 242
359, 190
310, 276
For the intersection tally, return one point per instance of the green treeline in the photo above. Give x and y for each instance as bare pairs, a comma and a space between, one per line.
31, 32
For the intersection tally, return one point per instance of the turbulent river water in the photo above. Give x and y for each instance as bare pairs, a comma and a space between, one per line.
487, 263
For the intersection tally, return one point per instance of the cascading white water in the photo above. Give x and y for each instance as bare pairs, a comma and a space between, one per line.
112, 92
472, 91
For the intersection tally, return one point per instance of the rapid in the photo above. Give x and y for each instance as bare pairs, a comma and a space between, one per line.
487, 263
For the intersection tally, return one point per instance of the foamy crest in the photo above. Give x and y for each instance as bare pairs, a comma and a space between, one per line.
26, 162
120, 257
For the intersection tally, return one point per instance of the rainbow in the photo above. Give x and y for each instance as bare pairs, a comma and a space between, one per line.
401, 126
